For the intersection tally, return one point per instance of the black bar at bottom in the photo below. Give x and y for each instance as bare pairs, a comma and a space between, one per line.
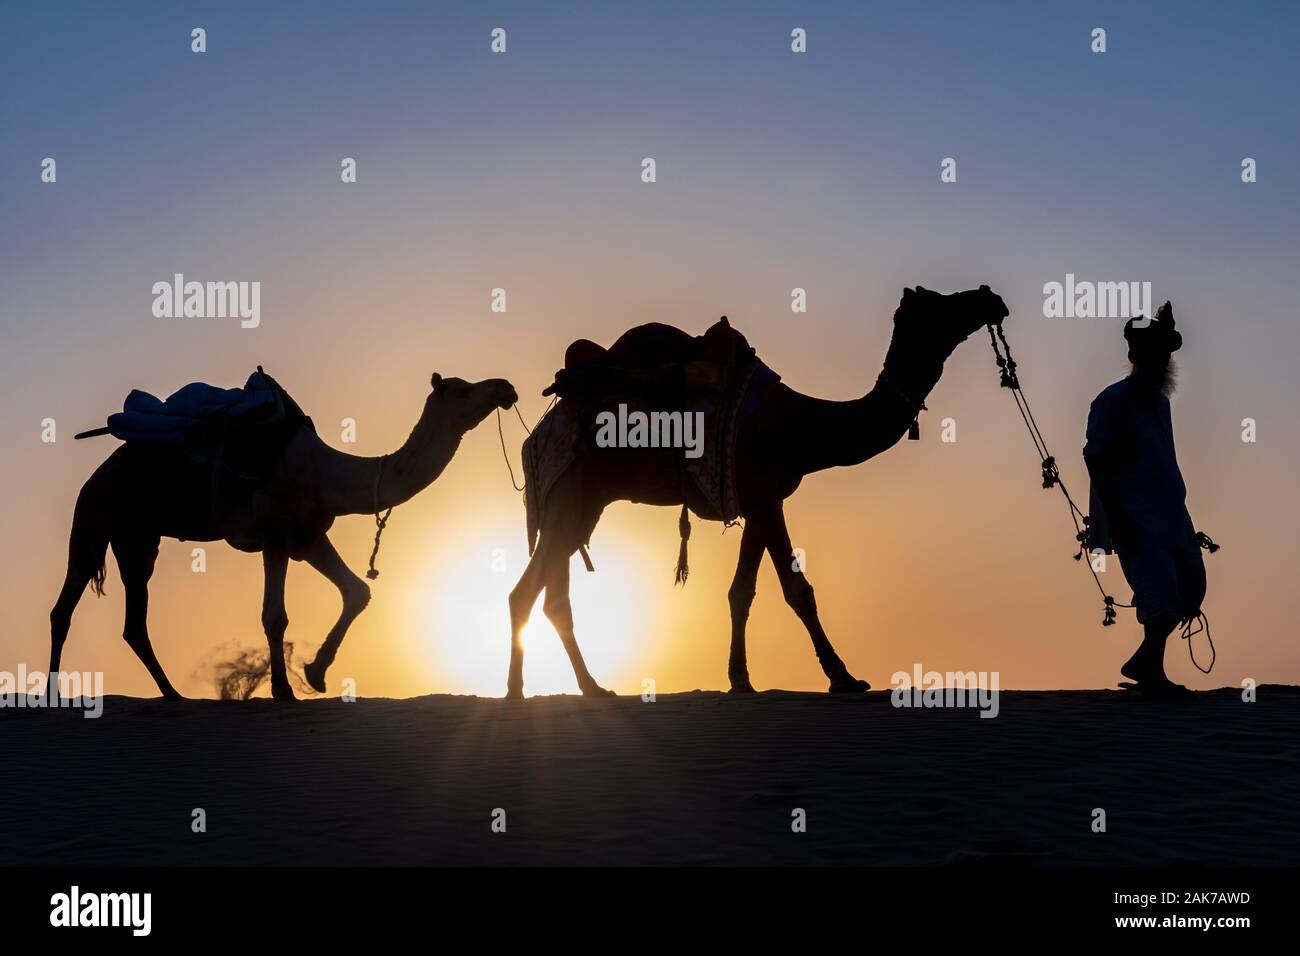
549, 904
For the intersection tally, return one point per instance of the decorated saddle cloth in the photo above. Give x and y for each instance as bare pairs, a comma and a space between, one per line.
245, 429
651, 368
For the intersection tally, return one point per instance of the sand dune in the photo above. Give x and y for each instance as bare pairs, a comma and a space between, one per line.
690, 778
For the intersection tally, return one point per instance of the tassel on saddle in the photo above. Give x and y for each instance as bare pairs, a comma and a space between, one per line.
684, 529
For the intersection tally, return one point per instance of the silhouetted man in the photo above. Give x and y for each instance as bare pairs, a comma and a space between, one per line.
1138, 498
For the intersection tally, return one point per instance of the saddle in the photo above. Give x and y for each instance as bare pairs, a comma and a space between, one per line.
651, 367
655, 363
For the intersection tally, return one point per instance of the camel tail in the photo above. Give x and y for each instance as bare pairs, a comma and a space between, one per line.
684, 529
89, 550
97, 579
88, 543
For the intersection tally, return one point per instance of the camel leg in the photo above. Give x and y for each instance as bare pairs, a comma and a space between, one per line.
522, 599
275, 619
74, 585
135, 562
356, 595
799, 595
559, 612
87, 548
83, 564
741, 597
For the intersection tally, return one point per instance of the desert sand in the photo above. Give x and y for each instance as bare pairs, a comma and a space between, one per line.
691, 778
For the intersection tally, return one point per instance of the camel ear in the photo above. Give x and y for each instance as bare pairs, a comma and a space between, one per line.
436, 382
907, 293
920, 288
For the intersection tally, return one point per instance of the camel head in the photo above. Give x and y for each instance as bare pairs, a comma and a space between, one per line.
933, 324
464, 404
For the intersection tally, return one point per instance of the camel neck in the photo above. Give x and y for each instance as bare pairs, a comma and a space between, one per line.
842, 434
364, 485
421, 459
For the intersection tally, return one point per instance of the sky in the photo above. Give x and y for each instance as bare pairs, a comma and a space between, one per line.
775, 170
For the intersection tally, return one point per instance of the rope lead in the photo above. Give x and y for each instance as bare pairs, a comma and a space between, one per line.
1202, 623
380, 524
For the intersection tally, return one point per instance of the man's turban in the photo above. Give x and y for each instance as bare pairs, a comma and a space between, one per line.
1157, 333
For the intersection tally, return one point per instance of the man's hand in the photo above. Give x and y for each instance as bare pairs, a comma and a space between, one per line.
1117, 519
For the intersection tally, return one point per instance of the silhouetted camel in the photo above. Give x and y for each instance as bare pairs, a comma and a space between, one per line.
787, 436
143, 492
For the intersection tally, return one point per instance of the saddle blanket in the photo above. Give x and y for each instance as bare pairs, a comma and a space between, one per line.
553, 446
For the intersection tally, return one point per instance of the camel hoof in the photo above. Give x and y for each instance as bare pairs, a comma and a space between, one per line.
515, 693
283, 693
595, 690
173, 697
315, 677
849, 685
742, 687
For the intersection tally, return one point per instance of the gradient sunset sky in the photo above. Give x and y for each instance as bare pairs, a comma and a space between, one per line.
775, 171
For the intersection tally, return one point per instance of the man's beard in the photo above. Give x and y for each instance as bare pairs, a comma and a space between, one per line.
1163, 380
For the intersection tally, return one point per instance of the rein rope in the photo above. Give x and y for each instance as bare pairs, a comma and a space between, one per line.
1051, 476
1202, 623
582, 548
502, 435
380, 522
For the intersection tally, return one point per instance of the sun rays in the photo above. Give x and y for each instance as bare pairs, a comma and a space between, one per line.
465, 621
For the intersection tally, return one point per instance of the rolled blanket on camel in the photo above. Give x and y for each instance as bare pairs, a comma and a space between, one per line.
243, 430
145, 418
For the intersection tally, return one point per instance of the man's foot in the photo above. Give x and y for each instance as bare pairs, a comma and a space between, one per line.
1160, 689
1142, 669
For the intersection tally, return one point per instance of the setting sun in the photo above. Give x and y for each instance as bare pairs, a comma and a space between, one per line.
466, 630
